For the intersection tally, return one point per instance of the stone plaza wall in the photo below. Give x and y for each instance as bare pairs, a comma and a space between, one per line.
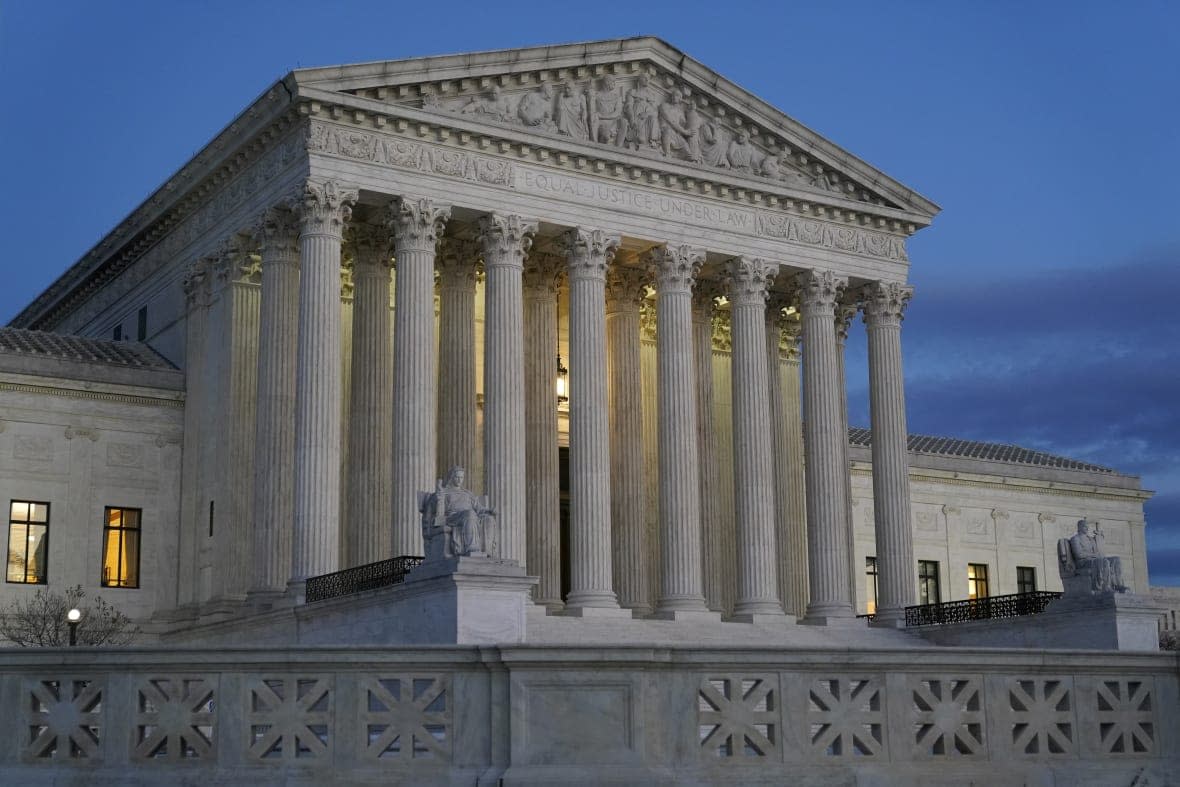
539, 715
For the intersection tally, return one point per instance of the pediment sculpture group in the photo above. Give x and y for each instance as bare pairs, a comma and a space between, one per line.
457, 523
639, 118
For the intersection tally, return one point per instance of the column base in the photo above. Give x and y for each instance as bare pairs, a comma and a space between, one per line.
617, 613
689, 615
263, 600
591, 599
553, 606
763, 618
830, 615
888, 619
680, 604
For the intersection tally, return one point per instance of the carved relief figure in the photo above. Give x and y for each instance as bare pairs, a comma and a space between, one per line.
742, 156
709, 141
491, 105
536, 109
779, 168
571, 113
675, 134
641, 112
455, 522
1082, 557
607, 124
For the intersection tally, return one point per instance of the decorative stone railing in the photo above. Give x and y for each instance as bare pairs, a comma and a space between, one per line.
635, 714
986, 608
358, 579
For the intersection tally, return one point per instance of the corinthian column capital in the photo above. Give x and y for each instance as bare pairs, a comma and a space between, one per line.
820, 291
505, 239
456, 263
325, 208
588, 252
885, 302
845, 313
417, 223
675, 267
704, 299
748, 279
277, 232
625, 287
370, 246
542, 271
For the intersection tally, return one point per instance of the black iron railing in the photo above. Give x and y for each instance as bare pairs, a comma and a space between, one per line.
370, 576
987, 608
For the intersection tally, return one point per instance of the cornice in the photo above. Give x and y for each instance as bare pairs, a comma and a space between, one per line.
1022, 484
175, 401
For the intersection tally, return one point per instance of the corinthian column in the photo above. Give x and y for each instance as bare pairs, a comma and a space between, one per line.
884, 306
274, 443
504, 241
588, 253
680, 514
416, 225
625, 292
780, 482
845, 311
753, 458
713, 554
824, 441
795, 516
456, 354
542, 459
325, 210
370, 424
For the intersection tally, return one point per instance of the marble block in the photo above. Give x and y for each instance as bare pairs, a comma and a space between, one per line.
470, 600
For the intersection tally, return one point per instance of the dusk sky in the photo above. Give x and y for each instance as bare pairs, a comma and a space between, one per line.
1048, 132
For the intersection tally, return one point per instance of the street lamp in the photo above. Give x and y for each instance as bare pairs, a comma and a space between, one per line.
73, 616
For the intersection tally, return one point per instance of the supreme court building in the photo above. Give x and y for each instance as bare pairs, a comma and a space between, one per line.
616, 288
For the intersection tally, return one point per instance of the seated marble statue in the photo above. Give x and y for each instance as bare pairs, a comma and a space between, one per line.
456, 523
1085, 567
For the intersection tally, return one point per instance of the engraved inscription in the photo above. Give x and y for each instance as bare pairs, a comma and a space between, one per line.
831, 236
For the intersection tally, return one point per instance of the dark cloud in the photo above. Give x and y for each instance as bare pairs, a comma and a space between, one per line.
1084, 363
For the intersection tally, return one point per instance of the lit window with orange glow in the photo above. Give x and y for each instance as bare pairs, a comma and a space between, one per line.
28, 542
120, 548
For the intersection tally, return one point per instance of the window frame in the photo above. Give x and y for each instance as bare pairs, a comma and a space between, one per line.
1020, 577
980, 579
926, 580
28, 521
872, 589
123, 532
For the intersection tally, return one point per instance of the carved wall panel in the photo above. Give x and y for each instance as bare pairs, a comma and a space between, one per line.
406, 717
846, 717
947, 717
1038, 717
64, 719
738, 716
174, 718
289, 718
1125, 716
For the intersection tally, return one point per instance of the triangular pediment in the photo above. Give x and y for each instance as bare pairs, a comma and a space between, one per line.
631, 97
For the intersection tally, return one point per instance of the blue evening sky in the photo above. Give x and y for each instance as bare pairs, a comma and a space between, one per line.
1044, 312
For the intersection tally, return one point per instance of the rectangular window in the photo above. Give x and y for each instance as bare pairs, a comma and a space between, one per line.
117, 334
977, 580
871, 585
1026, 579
928, 590
141, 328
28, 542
120, 548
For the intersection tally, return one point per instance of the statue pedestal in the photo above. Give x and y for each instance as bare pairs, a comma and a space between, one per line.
467, 601
1106, 621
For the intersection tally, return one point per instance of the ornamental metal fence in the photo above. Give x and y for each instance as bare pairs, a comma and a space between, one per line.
987, 608
358, 579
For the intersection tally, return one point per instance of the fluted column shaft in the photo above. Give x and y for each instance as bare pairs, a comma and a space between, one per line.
274, 442
778, 434
795, 517
196, 384
416, 225
713, 552
504, 241
370, 425
315, 548
625, 290
456, 355
824, 439
542, 459
753, 457
588, 252
884, 306
844, 313
681, 586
